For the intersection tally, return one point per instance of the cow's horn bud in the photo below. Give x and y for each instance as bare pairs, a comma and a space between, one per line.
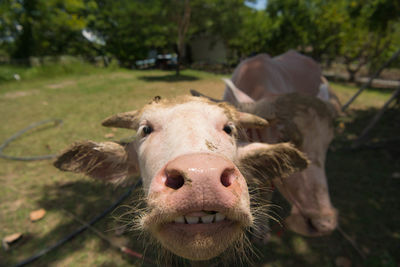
247, 120
122, 120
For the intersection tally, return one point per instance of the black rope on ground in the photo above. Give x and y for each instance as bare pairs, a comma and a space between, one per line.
81, 229
57, 122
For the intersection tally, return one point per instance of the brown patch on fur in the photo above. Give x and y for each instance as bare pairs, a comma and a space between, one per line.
211, 146
286, 107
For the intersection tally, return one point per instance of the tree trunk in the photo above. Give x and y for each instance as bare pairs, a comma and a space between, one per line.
352, 75
183, 26
178, 65
25, 42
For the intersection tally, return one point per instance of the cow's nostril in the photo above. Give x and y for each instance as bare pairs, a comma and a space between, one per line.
227, 177
175, 179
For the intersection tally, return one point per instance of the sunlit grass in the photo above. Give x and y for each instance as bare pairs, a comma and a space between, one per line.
82, 98
368, 98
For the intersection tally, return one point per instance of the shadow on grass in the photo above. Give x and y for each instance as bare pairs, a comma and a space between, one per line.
86, 200
364, 188
168, 78
385, 134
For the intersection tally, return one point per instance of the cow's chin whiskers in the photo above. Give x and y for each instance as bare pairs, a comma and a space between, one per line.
262, 211
147, 221
239, 253
129, 215
198, 241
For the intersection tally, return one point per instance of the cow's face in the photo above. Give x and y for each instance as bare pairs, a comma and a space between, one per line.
197, 198
305, 121
312, 212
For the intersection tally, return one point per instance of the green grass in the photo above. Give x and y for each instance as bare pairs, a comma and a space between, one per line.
361, 182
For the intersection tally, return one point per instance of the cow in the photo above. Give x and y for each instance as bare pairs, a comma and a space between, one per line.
198, 179
290, 92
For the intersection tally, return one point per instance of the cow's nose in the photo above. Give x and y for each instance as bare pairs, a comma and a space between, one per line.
199, 182
327, 223
199, 168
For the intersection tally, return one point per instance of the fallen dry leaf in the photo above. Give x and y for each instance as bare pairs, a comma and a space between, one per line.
10, 239
340, 128
37, 215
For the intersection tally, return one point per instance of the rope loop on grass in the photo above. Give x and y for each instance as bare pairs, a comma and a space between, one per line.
57, 122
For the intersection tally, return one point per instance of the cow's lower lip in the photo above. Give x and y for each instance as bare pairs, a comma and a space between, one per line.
311, 228
303, 225
198, 241
191, 230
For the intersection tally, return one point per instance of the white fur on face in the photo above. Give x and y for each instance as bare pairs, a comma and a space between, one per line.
191, 127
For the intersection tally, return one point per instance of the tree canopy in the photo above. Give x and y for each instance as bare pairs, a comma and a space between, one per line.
357, 32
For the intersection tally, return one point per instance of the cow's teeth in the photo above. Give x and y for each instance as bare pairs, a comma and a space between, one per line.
210, 218
192, 220
179, 219
219, 217
207, 218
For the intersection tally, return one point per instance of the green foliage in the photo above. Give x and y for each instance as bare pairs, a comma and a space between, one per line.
310, 26
44, 27
327, 30
366, 37
130, 28
256, 40
362, 33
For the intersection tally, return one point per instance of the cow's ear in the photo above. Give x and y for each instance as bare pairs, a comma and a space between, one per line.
263, 161
107, 161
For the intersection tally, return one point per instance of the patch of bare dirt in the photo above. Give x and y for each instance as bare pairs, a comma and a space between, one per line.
61, 84
16, 94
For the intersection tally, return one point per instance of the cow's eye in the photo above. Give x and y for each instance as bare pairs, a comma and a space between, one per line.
228, 129
147, 130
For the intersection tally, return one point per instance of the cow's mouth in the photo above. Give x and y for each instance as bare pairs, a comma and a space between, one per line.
200, 224
310, 226
199, 235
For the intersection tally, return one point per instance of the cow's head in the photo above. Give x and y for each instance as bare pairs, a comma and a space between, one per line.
306, 122
192, 168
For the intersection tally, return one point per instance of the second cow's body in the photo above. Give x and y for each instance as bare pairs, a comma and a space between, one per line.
289, 91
